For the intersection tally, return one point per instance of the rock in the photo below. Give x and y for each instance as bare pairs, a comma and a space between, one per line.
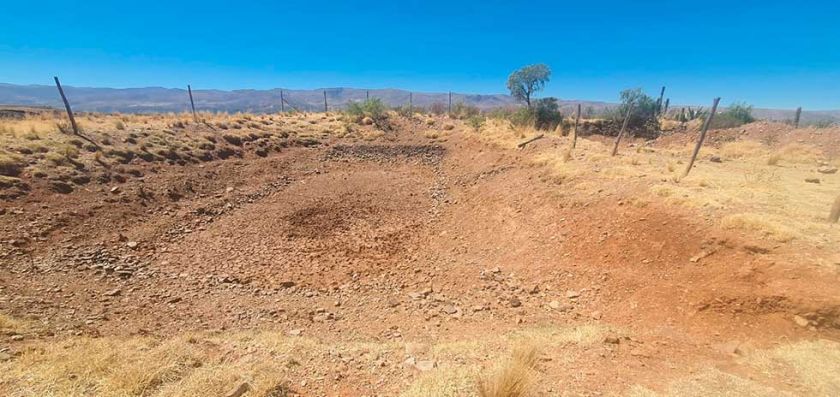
113, 292
115, 189
132, 244
827, 169
554, 305
450, 309
61, 187
295, 332
240, 390
514, 302
572, 294
5, 357
286, 284
812, 180
596, 315
17, 337
613, 340
800, 321
535, 289
715, 159
367, 121
425, 365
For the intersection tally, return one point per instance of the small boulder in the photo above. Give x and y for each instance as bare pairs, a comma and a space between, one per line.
827, 169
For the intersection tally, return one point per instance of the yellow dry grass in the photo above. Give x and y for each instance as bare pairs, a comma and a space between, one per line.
211, 364
801, 368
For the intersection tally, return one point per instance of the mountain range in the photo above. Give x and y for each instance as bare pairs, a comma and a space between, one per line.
159, 99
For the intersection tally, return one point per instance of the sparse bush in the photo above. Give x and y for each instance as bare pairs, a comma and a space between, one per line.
735, 115
513, 378
463, 111
547, 114
373, 108
643, 111
119, 125
476, 122
438, 108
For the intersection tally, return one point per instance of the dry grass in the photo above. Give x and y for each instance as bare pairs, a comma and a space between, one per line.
803, 368
512, 378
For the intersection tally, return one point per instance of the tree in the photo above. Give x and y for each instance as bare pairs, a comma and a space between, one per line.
643, 112
526, 81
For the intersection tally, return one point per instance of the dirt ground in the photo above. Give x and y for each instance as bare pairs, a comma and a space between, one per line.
413, 262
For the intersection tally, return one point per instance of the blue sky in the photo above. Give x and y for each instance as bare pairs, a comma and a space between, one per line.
767, 53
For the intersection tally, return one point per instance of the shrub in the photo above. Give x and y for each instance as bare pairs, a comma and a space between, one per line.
735, 115
643, 112
547, 114
119, 125
373, 108
463, 111
438, 108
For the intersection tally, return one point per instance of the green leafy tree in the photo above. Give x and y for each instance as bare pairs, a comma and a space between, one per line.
524, 82
643, 111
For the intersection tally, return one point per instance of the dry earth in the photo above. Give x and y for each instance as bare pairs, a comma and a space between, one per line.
318, 258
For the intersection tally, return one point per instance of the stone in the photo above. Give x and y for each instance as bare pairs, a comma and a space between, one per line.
61, 187
800, 321
5, 357
827, 169
572, 294
295, 332
113, 292
715, 159
132, 244
17, 337
115, 189
613, 340
425, 365
514, 302
239, 390
812, 180
554, 305
367, 121
286, 284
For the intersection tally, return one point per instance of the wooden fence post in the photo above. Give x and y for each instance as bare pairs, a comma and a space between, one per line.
282, 105
659, 102
367, 95
623, 127
577, 119
67, 106
450, 101
70, 114
834, 216
325, 101
192, 104
667, 102
410, 103
702, 136
796, 118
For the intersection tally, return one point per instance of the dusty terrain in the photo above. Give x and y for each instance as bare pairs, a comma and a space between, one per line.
313, 256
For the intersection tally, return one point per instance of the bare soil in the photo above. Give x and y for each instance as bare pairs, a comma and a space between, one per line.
405, 238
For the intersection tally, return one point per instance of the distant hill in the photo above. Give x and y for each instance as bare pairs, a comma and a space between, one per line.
158, 99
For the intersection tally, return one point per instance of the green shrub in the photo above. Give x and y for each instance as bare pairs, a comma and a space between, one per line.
643, 112
735, 115
373, 108
547, 114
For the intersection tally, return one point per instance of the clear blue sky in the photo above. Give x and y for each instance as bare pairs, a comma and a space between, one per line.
768, 53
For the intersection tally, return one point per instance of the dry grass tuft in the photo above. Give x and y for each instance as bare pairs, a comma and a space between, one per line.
512, 378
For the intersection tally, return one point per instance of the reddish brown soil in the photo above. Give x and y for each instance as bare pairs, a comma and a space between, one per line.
403, 238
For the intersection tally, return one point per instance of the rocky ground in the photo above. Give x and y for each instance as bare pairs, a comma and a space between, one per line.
403, 240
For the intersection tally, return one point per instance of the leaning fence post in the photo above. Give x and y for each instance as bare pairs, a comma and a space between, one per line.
834, 216
702, 136
577, 119
192, 104
667, 102
325, 101
70, 114
796, 118
623, 127
67, 106
659, 102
